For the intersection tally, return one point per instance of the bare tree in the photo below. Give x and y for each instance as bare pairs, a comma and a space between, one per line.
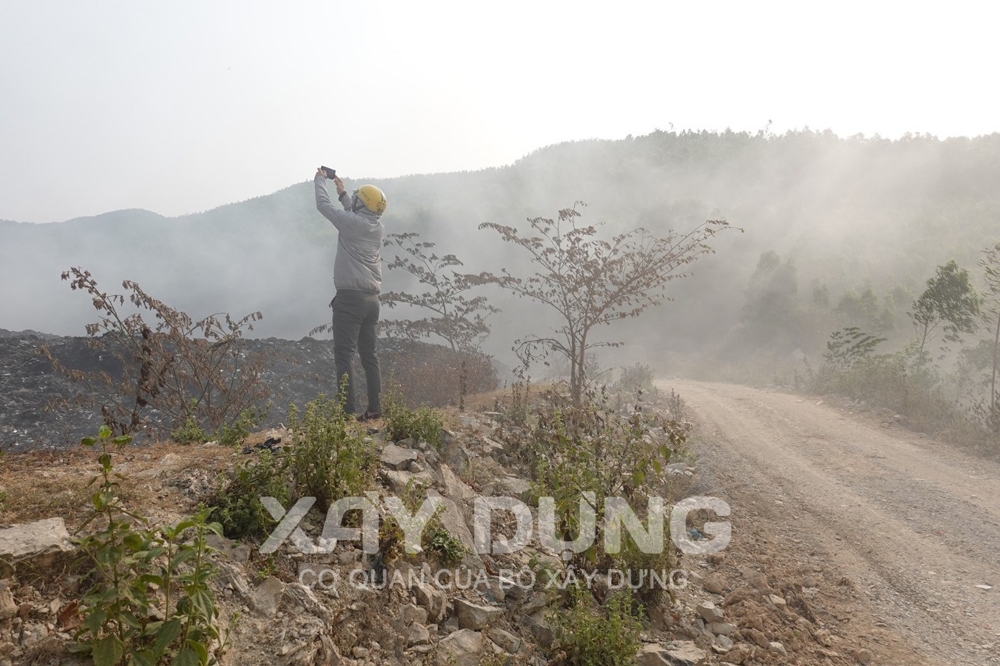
591, 282
187, 370
455, 317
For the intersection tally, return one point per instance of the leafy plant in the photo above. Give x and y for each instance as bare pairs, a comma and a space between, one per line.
588, 635
235, 433
849, 347
189, 433
591, 282
440, 542
150, 602
330, 457
422, 424
236, 505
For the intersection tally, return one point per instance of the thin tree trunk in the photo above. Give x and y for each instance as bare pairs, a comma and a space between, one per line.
993, 379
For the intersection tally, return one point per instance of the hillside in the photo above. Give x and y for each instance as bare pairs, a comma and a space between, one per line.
850, 213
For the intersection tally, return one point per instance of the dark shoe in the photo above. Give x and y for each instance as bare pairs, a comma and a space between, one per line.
369, 416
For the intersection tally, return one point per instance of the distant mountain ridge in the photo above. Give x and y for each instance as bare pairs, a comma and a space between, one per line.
849, 211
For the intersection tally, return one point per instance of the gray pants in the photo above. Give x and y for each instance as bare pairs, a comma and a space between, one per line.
355, 314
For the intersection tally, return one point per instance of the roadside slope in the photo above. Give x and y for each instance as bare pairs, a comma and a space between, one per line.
908, 527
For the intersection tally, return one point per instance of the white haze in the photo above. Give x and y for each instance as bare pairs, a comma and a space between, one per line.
185, 106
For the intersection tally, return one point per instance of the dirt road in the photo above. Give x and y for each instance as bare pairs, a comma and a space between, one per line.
908, 526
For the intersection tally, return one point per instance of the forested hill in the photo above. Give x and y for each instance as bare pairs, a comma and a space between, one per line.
841, 215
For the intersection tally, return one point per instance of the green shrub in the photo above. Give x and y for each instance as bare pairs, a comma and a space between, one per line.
150, 601
592, 636
189, 433
422, 424
569, 451
235, 433
636, 379
331, 458
237, 504
440, 542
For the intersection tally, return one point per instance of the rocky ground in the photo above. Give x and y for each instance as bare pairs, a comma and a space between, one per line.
758, 602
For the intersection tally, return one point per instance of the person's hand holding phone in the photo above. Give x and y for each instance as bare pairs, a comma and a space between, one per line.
340, 185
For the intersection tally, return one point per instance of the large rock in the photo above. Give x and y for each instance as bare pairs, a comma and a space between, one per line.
505, 639
678, 653
512, 486
452, 451
454, 488
396, 457
453, 520
475, 617
461, 648
31, 540
431, 598
708, 612
267, 597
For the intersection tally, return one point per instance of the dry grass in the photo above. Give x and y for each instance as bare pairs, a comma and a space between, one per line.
47, 484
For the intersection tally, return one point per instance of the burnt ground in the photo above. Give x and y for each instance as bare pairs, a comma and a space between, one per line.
33, 413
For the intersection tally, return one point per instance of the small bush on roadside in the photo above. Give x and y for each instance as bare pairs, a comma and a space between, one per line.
588, 635
331, 458
635, 379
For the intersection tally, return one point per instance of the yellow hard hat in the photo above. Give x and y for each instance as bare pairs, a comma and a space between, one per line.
372, 198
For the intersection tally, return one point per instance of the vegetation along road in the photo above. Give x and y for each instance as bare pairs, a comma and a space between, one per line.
908, 526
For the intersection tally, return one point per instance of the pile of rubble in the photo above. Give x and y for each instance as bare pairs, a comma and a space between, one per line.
345, 607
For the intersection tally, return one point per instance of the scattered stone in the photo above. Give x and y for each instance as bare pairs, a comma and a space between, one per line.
461, 648
723, 643
540, 628
678, 653
716, 558
757, 636
777, 601
709, 612
305, 598
722, 628
512, 486
737, 655
454, 522
862, 656
413, 614
454, 488
431, 598
506, 640
776, 647
267, 597
475, 617
329, 655
8, 608
396, 457
418, 635
31, 540
714, 584
234, 551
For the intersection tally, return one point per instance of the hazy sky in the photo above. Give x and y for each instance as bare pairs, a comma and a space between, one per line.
182, 106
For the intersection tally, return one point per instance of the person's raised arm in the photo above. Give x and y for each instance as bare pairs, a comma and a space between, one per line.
343, 220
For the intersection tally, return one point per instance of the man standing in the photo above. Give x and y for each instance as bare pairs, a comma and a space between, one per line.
357, 276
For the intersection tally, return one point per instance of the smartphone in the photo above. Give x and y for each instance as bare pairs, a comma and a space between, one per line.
330, 173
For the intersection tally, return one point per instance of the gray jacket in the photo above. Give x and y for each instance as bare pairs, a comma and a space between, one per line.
359, 242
